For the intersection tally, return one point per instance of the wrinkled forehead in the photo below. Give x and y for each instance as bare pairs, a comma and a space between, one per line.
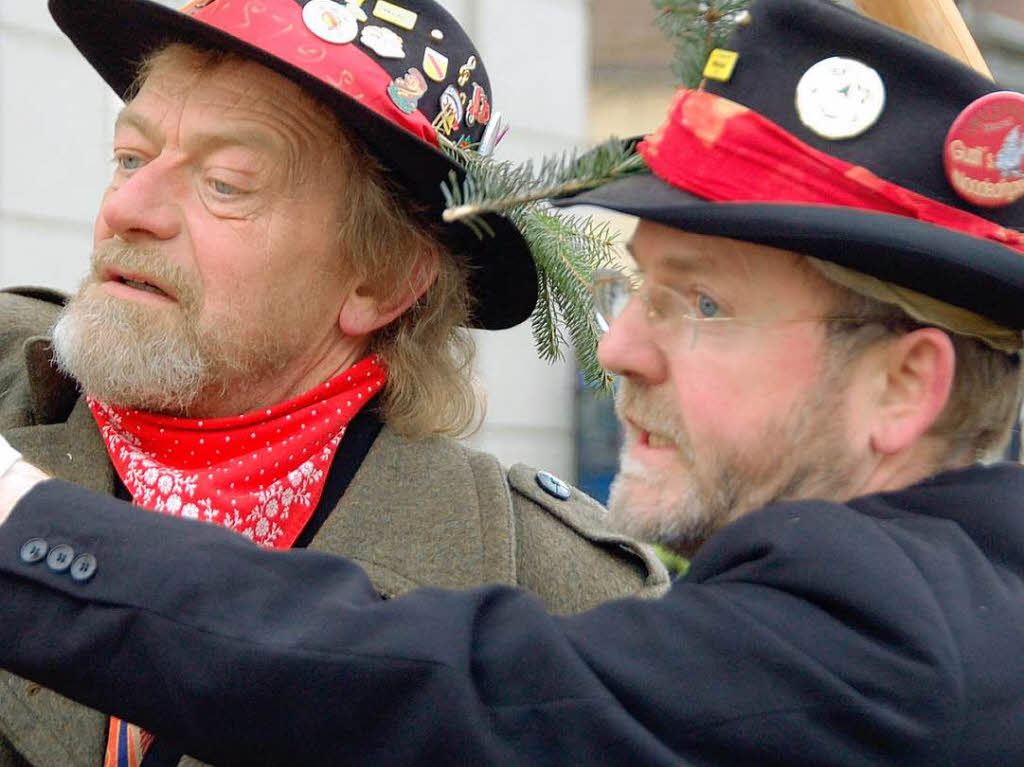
239, 101
233, 85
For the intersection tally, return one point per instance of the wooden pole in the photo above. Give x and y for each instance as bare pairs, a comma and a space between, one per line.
936, 22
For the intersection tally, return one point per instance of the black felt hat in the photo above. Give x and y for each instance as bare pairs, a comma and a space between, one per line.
399, 74
905, 140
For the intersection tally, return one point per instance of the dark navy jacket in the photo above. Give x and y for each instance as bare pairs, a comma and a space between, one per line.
886, 631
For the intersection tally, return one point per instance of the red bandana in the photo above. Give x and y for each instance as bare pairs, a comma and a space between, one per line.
260, 474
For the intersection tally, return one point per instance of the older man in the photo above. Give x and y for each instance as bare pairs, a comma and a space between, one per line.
822, 341
271, 336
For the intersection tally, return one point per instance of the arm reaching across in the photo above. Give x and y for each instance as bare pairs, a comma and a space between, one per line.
780, 647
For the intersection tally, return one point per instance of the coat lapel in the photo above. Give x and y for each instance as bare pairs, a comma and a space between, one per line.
413, 516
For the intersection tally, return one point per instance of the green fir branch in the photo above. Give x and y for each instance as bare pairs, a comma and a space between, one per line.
492, 187
697, 27
567, 249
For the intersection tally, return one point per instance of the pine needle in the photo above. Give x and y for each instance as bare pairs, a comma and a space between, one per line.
696, 27
567, 249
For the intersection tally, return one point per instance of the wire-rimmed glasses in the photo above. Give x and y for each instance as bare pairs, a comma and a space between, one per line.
670, 310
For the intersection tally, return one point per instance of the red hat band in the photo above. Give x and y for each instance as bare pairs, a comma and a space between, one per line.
724, 152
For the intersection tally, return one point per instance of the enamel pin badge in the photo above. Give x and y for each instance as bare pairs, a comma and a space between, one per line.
395, 14
355, 7
383, 42
466, 71
330, 21
840, 98
479, 109
407, 91
984, 151
435, 65
449, 119
495, 132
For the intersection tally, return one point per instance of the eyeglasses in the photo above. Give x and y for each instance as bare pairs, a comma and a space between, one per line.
669, 310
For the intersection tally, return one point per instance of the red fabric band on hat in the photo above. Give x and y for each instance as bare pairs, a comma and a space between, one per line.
276, 26
724, 152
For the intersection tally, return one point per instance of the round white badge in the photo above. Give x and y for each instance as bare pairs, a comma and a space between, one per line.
840, 98
330, 21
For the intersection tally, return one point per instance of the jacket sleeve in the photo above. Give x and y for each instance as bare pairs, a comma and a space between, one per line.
781, 649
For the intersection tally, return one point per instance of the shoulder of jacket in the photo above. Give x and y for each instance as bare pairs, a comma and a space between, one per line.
562, 538
29, 311
558, 549
32, 391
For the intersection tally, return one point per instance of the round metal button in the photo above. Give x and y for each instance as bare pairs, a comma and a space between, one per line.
83, 568
33, 550
553, 486
60, 557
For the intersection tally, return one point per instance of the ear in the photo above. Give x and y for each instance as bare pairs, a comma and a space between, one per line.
918, 377
366, 310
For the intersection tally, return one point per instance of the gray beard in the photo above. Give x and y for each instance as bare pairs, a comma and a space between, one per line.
802, 456
131, 355
162, 359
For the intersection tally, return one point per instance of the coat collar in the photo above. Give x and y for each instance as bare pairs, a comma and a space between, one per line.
64, 440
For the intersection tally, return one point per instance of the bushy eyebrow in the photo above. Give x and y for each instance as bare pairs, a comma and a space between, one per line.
682, 261
248, 136
129, 117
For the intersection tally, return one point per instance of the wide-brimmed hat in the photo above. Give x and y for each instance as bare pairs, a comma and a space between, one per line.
398, 74
823, 132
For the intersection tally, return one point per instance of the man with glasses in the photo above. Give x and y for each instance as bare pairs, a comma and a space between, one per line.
820, 342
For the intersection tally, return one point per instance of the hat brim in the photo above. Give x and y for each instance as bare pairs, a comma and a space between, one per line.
979, 275
116, 35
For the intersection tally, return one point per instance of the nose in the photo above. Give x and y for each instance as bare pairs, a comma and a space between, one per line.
627, 349
141, 206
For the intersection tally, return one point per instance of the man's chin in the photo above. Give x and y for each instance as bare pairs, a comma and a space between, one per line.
662, 510
129, 354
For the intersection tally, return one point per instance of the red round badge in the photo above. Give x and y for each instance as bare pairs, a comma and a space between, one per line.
984, 152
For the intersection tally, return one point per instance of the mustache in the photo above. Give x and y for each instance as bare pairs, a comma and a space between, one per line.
147, 260
653, 411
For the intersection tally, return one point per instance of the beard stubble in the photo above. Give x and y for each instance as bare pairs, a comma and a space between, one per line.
160, 359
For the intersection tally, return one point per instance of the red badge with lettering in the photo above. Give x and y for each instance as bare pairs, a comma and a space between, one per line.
984, 152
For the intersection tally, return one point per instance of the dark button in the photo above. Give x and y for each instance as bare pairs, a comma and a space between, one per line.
553, 486
83, 568
33, 550
60, 557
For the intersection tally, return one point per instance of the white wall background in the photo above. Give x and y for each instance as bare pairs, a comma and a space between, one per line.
55, 118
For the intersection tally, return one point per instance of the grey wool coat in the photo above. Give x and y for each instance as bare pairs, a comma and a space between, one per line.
417, 513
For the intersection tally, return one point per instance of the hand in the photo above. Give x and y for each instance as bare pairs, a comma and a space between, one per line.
17, 477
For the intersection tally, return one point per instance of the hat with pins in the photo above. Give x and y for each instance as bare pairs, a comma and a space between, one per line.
402, 75
820, 131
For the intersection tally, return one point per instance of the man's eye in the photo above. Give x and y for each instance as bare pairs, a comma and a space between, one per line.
225, 189
707, 306
128, 161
